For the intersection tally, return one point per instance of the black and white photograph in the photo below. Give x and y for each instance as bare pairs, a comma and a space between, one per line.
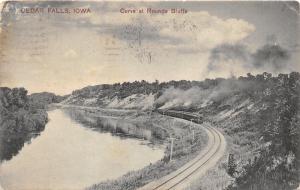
149, 95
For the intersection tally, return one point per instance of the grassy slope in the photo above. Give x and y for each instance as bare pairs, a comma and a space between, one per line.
158, 130
257, 113
262, 130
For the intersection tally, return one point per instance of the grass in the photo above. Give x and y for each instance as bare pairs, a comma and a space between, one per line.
240, 143
217, 177
153, 127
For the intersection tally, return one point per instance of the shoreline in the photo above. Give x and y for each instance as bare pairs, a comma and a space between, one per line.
185, 149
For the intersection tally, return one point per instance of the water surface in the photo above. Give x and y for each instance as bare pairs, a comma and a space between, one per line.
69, 156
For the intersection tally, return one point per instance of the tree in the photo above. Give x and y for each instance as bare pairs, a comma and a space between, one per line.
277, 166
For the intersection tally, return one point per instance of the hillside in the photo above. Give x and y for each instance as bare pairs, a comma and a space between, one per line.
138, 95
259, 115
44, 98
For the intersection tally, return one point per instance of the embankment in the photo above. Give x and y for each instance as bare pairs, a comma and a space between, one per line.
189, 140
20, 120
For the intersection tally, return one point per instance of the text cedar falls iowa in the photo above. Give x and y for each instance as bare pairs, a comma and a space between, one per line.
52, 10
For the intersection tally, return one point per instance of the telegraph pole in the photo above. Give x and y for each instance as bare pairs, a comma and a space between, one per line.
193, 135
192, 130
172, 143
171, 153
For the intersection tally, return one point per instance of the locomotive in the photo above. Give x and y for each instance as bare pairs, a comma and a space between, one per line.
183, 115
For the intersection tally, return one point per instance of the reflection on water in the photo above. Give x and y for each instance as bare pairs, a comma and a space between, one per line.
10, 145
69, 156
114, 125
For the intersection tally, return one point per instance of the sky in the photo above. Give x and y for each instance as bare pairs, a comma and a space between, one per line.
59, 52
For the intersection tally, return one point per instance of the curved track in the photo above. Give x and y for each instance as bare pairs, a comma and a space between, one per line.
197, 167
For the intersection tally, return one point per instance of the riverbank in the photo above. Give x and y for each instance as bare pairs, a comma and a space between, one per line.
189, 140
79, 153
20, 121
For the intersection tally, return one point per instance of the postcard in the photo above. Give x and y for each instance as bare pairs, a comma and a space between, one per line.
149, 95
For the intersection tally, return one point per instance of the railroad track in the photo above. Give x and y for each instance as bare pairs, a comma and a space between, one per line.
197, 167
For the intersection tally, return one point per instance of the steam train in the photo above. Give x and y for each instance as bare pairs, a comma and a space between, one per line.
183, 115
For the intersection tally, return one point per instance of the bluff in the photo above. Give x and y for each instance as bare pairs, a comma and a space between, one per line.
259, 114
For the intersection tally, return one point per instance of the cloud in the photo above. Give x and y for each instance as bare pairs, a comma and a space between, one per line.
153, 37
199, 31
203, 30
155, 34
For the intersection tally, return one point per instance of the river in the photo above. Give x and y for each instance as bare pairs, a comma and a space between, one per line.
68, 155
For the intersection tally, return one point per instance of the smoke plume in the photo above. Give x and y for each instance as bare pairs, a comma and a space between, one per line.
237, 59
175, 97
197, 97
271, 57
236, 53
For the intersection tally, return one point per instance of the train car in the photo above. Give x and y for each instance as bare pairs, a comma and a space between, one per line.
183, 115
